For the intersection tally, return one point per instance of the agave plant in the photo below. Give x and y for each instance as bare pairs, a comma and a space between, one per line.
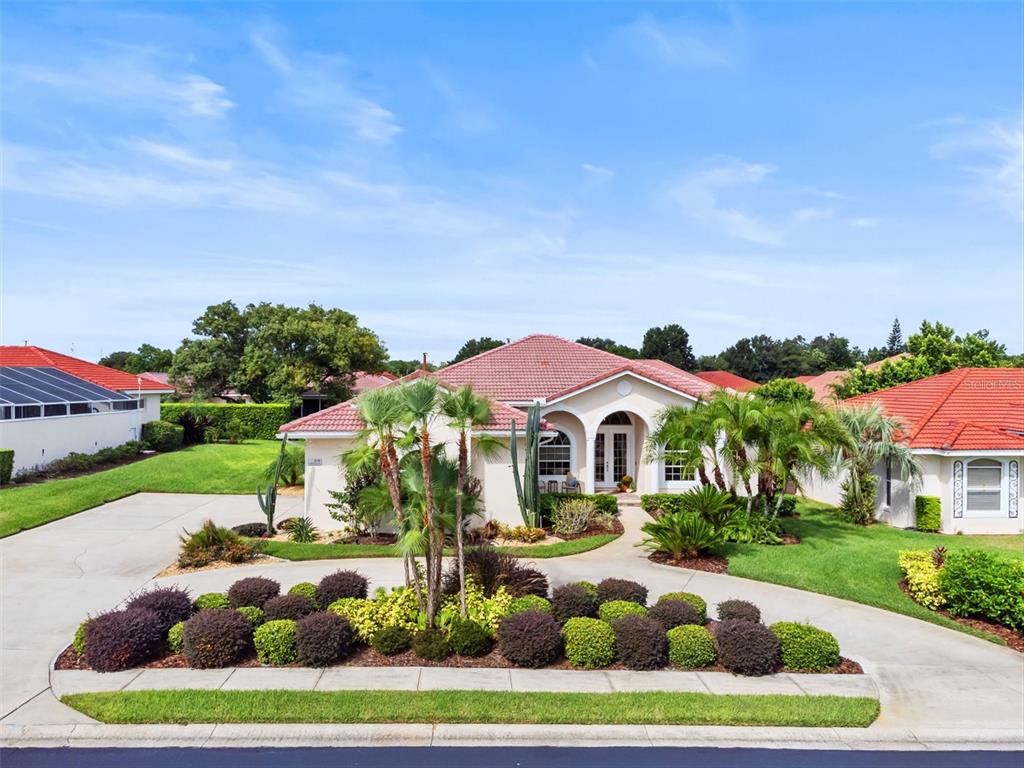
680, 535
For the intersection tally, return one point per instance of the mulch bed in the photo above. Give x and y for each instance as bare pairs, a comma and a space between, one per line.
1014, 640
708, 563
380, 538
789, 538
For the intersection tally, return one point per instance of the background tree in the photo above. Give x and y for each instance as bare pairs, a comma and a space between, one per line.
785, 391
146, 358
895, 344
474, 347
405, 367
671, 344
116, 360
609, 345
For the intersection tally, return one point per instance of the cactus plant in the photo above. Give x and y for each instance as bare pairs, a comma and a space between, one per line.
266, 495
527, 490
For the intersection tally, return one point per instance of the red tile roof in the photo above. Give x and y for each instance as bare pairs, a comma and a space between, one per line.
365, 381
801, 379
822, 384
543, 367
110, 378
965, 409
728, 379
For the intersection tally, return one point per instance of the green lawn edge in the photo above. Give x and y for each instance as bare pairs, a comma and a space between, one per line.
648, 708
291, 550
856, 563
215, 468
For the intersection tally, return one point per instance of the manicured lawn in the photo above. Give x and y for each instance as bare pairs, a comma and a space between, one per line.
215, 468
290, 550
206, 706
851, 561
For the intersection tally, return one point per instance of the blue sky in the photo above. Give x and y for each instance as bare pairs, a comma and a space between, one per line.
451, 171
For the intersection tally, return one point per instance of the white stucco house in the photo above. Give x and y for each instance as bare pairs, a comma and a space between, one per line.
967, 429
598, 409
53, 404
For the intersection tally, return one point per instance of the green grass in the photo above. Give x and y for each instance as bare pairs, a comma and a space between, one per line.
215, 468
290, 550
854, 562
206, 706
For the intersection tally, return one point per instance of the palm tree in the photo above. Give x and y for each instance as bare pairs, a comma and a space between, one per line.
466, 411
739, 419
872, 439
690, 434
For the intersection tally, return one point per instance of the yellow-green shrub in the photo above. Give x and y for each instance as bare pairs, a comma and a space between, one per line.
922, 577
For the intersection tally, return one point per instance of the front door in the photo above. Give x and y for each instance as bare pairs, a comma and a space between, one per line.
613, 455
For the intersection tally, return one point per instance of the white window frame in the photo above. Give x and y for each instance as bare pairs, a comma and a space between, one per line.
675, 485
1004, 508
572, 455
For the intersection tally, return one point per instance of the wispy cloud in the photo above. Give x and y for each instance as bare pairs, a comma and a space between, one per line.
463, 111
179, 156
864, 222
698, 196
676, 42
991, 153
318, 84
597, 175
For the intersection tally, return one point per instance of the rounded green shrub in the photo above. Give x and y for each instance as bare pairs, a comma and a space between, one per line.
532, 639
747, 647
978, 583
255, 615
468, 638
211, 600
928, 513
322, 638
79, 642
805, 648
431, 645
216, 637
530, 603
162, 435
621, 589
691, 646
589, 643
673, 613
640, 642
391, 640
698, 602
275, 642
738, 609
616, 609
306, 588
571, 601
253, 590
176, 637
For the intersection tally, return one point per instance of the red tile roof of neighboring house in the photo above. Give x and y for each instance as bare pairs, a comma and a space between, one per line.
101, 375
965, 409
544, 367
728, 379
365, 381
801, 379
822, 384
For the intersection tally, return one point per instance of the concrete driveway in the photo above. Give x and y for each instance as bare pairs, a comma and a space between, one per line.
55, 575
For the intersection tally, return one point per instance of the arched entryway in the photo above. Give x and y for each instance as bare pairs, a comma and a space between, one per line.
615, 450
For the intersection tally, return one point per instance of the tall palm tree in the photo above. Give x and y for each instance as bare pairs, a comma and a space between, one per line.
873, 438
690, 434
739, 419
466, 411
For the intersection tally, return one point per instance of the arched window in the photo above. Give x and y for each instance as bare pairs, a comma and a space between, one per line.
554, 455
984, 485
618, 418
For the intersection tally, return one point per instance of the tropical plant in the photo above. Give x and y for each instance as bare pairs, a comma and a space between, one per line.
872, 438
211, 543
527, 487
302, 530
572, 516
289, 466
688, 435
680, 535
266, 494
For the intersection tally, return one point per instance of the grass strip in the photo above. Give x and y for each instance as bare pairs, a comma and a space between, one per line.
212, 468
660, 708
561, 548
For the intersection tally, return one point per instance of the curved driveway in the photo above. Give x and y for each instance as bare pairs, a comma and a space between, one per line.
53, 576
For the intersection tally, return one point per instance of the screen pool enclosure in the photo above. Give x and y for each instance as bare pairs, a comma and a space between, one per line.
34, 393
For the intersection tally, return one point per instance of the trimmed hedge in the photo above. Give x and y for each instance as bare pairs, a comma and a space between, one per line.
322, 638
260, 420
741, 610
209, 600
589, 643
530, 603
391, 640
216, 637
621, 589
467, 638
6, 465
616, 609
571, 601
532, 639
691, 647
641, 642
977, 583
162, 435
275, 642
122, 639
805, 648
928, 513
674, 613
747, 648
604, 502
699, 603
431, 645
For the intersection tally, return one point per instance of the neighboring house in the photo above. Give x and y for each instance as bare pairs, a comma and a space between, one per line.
313, 401
967, 429
823, 383
598, 409
53, 404
728, 380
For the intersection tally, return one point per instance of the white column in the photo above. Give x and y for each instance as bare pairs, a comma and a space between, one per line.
588, 482
654, 475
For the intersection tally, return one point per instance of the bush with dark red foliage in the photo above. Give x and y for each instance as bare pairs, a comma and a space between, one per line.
339, 584
674, 613
288, 607
251, 530
216, 637
122, 639
253, 590
523, 580
738, 609
641, 642
530, 639
322, 638
571, 601
491, 569
621, 589
170, 604
747, 647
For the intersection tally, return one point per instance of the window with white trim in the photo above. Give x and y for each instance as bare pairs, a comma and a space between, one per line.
674, 465
984, 486
554, 455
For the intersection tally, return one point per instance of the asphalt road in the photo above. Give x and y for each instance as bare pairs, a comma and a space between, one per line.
524, 757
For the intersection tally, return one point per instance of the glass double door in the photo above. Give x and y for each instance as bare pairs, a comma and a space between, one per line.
613, 455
